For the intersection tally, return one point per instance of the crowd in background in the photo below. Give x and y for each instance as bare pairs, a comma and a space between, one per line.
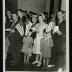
35, 33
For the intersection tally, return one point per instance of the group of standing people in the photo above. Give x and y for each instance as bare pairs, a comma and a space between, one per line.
32, 33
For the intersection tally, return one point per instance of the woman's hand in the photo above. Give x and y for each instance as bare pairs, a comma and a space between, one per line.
53, 32
12, 31
34, 29
59, 33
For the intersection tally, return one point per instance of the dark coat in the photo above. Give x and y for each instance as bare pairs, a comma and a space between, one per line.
16, 41
8, 23
60, 40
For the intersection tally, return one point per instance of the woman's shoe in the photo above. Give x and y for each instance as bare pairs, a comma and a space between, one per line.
27, 62
39, 64
34, 62
24, 61
43, 68
47, 68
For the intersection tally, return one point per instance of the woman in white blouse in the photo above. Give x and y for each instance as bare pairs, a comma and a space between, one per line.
39, 35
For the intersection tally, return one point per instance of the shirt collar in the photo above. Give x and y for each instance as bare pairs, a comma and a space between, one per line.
61, 20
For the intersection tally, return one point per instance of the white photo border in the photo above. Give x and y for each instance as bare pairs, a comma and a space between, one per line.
67, 39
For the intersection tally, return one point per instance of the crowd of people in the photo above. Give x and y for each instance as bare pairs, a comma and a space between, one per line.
35, 33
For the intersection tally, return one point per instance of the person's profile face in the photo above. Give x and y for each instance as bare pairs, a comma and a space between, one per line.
23, 13
8, 13
40, 19
34, 19
19, 13
60, 15
15, 17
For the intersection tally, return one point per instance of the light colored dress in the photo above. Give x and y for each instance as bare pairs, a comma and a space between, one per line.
39, 35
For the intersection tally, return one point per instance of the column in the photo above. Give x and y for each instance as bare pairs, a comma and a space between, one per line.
19, 4
32, 5
48, 5
56, 5
63, 5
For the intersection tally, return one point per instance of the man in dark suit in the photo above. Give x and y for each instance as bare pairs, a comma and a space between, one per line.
16, 37
61, 40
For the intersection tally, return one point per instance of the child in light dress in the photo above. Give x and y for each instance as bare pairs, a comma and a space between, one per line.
27, 47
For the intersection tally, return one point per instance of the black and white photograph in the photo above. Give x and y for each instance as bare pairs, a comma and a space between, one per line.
36, 35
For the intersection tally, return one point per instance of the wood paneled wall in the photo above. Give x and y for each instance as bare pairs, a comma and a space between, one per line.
36, 5
32, 5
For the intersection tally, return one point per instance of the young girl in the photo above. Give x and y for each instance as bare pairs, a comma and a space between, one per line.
27, 47
46, 44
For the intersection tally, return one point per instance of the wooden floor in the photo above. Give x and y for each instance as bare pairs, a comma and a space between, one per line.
30, 66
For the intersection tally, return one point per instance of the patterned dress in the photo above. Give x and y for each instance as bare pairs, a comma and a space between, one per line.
27, 41
27, 45
47, 42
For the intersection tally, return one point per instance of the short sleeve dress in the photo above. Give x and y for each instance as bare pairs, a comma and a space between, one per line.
47, 42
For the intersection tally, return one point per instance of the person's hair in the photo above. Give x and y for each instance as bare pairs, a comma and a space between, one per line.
52, 14
34, 13
46, 14
26, 11
23, 11
14, 12
6, 12
31, 12
9, 11
44, 19
20, 10
61, 11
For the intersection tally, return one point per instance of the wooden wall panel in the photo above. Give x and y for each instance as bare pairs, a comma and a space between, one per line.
32, 5
56, 3
63, 5
48, 5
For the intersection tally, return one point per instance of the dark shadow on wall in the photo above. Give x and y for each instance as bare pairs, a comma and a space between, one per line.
11, 4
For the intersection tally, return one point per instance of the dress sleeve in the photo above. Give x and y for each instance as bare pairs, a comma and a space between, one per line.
50, 27
35, 28
31, 40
